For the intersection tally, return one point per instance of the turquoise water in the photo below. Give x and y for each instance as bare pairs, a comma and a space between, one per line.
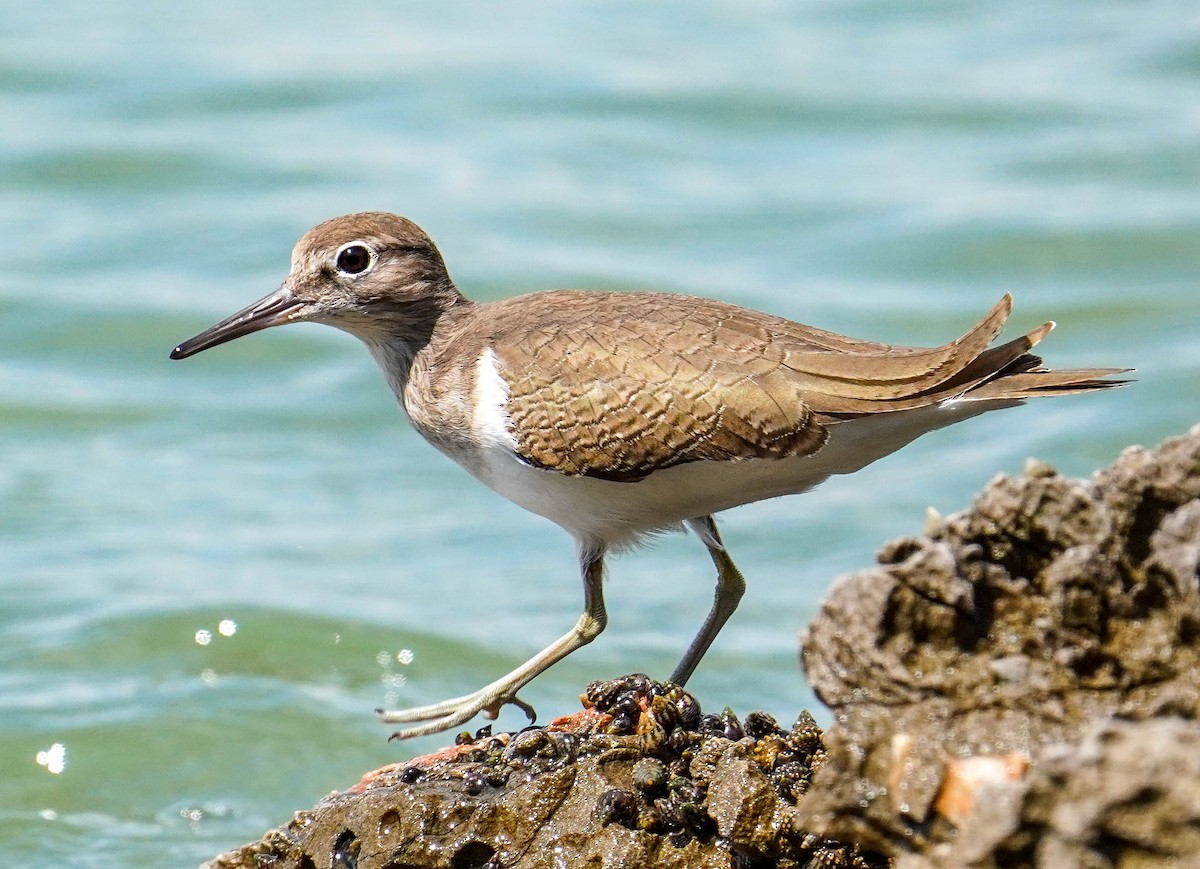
882, 169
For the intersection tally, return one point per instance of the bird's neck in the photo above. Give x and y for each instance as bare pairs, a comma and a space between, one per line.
398, 341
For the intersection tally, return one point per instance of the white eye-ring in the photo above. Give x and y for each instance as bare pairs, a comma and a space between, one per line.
355, 258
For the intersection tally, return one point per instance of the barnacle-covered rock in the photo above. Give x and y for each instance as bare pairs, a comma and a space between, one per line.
638, 778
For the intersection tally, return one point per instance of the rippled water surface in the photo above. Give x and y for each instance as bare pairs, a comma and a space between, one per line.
211, 572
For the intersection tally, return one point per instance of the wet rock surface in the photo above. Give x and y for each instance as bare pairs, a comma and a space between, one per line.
1017, 687
1011, 687
639, 778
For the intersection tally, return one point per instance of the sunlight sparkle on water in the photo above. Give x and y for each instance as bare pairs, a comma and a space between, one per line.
225, 628
54, 758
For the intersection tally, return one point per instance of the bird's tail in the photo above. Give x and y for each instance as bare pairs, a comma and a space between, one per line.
965, 369
1010, 371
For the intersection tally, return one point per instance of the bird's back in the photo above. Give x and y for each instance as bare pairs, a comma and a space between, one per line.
617, 386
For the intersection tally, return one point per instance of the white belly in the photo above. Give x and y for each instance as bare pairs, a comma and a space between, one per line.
617, 514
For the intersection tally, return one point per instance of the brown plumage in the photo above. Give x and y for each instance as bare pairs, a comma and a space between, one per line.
617, 386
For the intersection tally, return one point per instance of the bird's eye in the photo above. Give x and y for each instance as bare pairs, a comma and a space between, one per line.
353, 259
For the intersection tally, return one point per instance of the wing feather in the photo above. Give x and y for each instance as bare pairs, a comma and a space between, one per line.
620, 385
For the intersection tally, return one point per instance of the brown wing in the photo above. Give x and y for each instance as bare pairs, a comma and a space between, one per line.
635, 386
639, 382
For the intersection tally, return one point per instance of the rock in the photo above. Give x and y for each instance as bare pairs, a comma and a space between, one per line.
1127, 794
638, 779
1056, 621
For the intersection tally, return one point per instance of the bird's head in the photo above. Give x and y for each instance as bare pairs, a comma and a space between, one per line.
374, 274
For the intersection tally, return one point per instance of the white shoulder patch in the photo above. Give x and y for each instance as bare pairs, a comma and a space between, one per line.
489, 416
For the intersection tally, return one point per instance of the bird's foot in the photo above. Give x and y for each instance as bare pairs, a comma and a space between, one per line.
489, 699
450, 713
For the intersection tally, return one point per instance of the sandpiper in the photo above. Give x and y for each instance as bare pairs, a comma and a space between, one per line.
618, 415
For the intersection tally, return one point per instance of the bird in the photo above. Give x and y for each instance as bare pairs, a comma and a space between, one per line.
620, 415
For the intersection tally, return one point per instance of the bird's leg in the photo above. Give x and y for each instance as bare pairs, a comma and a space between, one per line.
490, 698
730, 588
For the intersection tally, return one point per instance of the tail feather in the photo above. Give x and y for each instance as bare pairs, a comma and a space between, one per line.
1006, 372
891, 372
1038, 382
991, 363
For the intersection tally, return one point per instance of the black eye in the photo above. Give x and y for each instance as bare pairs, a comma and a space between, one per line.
354, 259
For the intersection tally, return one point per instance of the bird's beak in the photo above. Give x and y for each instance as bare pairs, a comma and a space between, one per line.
278, 308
